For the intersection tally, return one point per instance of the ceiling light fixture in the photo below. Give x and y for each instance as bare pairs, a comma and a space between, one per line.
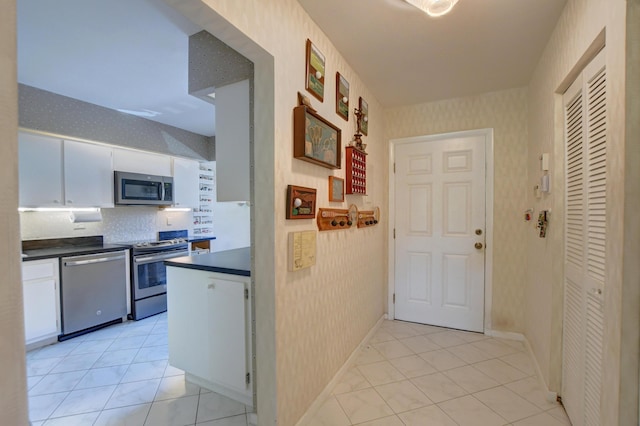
434, 8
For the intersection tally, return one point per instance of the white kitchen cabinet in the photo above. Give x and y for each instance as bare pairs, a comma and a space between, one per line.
88, 175
128, 160
40, 171
41, 301
186, 175
57, 173
209, 330
232, 141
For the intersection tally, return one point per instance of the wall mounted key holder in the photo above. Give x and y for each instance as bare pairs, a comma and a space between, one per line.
335, 219
368, 217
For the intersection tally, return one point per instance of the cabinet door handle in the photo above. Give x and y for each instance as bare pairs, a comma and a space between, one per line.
211, 286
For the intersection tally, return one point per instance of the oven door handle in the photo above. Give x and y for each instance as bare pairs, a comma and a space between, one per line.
142, 259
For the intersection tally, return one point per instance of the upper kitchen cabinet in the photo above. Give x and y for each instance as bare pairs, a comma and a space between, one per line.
56, 173
40, 171
88, 175
128, 160
232, 141
186, 175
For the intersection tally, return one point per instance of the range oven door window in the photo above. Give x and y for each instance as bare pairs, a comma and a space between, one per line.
152, 275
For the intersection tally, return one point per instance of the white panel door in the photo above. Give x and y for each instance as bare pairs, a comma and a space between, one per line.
440, 226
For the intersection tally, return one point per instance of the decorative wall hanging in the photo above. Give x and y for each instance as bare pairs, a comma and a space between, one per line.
357, 138
363, 106
301, 202
315, 71
334, 219
342, 96
302, 250
304, 100
368, 217
336, 189
315, 139
356, 175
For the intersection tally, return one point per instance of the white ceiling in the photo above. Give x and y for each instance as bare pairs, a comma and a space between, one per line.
133, 54
119, 54
405, 57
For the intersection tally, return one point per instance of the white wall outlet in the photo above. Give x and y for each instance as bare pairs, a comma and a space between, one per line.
169, 221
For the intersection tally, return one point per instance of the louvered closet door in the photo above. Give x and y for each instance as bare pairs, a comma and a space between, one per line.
585, 111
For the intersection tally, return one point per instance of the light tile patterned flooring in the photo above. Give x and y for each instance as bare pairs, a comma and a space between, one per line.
120, 376
418, 375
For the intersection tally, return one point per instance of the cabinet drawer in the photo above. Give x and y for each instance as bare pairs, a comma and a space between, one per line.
39, 270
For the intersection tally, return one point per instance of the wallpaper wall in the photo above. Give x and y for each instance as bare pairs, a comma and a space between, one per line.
577, 29
505, 112
319, 314
13, 386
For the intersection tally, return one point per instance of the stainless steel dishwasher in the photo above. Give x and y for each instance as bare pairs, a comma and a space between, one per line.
93, 291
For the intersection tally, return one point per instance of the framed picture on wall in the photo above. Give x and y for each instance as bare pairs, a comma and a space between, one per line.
315, 71
336, 189
342, 96
301, 202
315, 139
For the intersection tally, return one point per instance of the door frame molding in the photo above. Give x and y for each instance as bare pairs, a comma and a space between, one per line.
488, 260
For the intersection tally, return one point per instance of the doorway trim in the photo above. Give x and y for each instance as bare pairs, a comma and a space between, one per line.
488, 260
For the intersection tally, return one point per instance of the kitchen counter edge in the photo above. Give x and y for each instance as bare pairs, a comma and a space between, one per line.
232, 262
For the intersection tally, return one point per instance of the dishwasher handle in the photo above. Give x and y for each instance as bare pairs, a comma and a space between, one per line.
92, 261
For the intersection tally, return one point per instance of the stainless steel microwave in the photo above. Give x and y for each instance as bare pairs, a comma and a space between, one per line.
141, 189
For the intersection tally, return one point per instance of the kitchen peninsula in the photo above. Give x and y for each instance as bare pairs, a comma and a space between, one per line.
210, 321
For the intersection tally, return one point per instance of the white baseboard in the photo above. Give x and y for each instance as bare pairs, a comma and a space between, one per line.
505, 335
551, 396
252, 419
326, 392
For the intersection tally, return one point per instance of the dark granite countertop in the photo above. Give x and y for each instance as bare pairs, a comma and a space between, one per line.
234, 262
197, 239
63, 247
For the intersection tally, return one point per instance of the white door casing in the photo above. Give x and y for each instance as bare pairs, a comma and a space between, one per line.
440, 195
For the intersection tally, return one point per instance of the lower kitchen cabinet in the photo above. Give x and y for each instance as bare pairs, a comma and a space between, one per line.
209, 317
40, 283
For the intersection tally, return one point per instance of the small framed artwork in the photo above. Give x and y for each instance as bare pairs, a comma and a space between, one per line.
301, 202
336, 189
315, 139
364, 122
315, 71
342, 96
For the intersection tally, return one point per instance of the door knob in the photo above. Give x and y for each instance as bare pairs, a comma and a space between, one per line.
478, 245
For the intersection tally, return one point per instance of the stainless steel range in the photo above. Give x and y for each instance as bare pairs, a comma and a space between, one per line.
149, 275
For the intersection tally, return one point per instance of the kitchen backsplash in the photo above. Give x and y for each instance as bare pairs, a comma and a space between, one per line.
118, 224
